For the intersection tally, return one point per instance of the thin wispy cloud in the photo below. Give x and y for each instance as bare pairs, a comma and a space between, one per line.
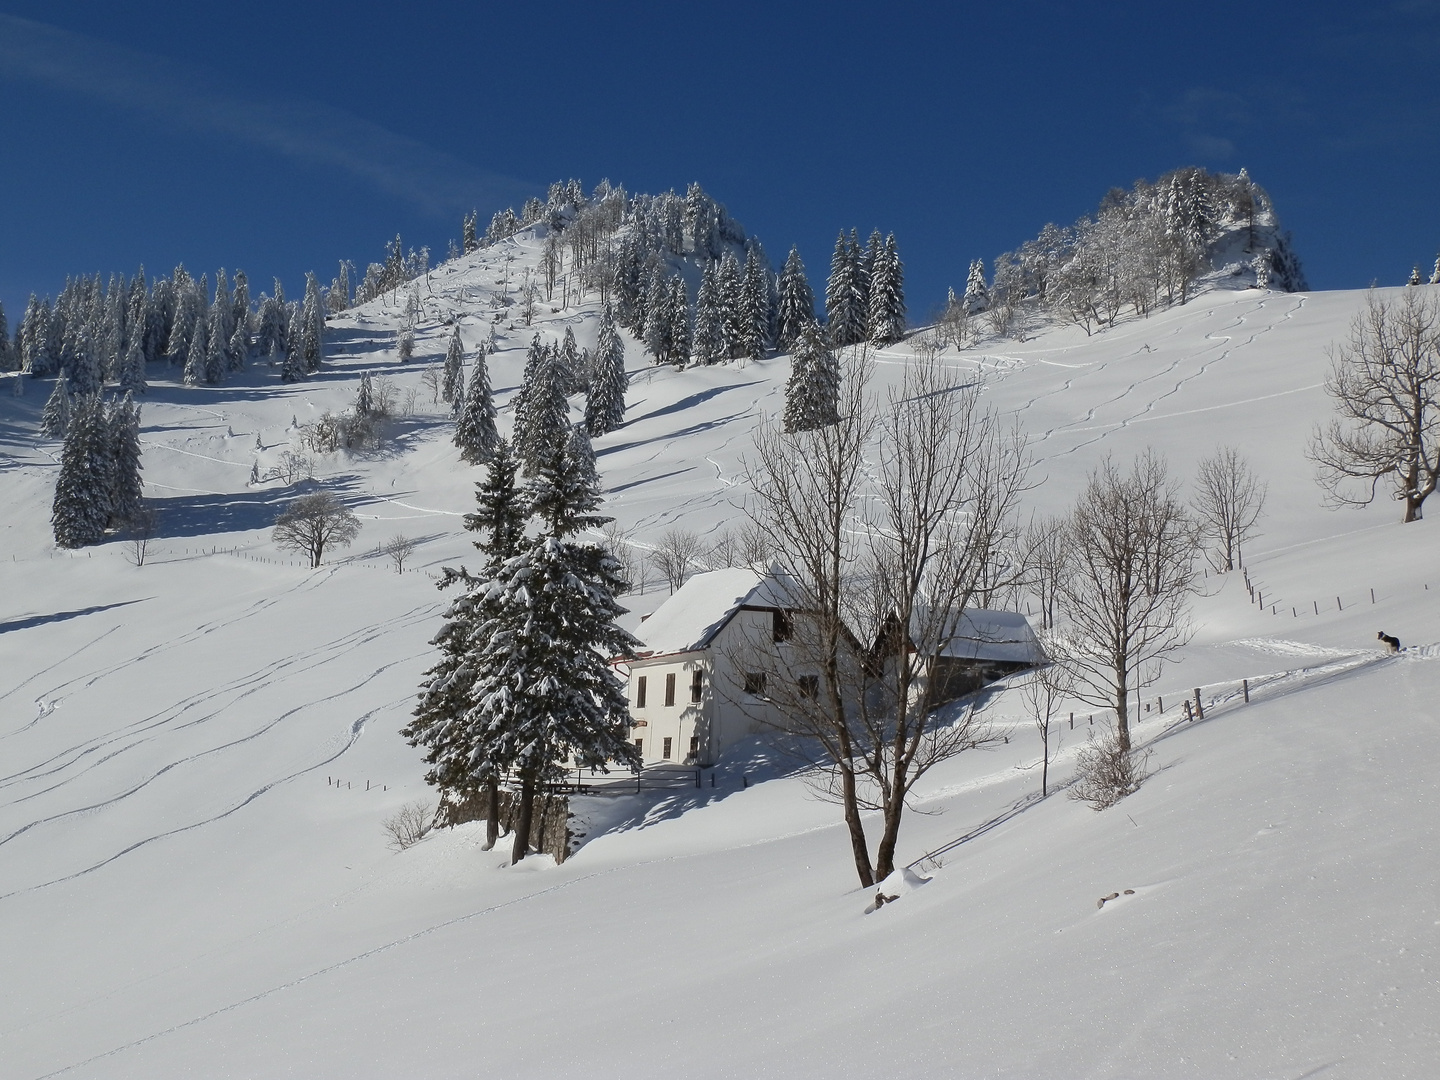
306, 132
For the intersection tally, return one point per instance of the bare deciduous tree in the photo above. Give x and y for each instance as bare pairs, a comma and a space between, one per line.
430, 379
1106, 772
902, 543
675, 556
1124, 596
408, 825
1385, 381
1228, 502
141, 527
313, 523
1042, 693
398, 548
1043, 547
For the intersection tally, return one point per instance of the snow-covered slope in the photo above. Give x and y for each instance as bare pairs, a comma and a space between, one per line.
196, 755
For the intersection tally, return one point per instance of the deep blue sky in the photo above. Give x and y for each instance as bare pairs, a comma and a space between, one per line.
278, 137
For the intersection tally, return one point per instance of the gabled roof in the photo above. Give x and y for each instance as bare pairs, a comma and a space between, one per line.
981, 634
699, 609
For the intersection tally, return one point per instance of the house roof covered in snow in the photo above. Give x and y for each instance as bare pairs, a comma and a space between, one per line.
981, 634
700, 608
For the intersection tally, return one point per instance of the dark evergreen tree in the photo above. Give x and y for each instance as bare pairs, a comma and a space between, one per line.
605, 407
365, 396
475, 432
82, 491
812, 394
797, 302
469, 241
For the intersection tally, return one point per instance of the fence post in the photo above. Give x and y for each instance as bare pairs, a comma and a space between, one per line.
1245, 686
1199, 709
1189, 716
1160, 703
1317, 606
1338, 604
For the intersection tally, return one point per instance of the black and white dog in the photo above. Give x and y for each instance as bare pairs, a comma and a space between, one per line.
1393, 642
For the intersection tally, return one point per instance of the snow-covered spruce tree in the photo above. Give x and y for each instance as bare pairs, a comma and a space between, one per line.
545, 413
475, 432
534, 358
565, 700
465, 760
312, 326
194, 371
217, 340
365, 397
55, 418
797, 302
755, 313
677, 307
127, 490
977, 293
709, 318
847, 320
293, 367
605, 406
84, 368
452, 381
567, 360
82, 491
730, 289
8, 358
132, 365
887, 296
812, 394
469, 241
654, 303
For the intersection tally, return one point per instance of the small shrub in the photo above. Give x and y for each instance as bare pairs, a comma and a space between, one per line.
1105, 774
408, 825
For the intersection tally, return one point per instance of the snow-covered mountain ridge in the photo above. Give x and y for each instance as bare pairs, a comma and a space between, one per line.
184, 890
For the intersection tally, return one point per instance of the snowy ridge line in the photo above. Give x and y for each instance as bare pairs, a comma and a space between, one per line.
356, 729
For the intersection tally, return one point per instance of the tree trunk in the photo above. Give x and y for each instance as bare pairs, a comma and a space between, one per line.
890, 838
492, 812
1122, 713
858, 845
522, 821
1045, 762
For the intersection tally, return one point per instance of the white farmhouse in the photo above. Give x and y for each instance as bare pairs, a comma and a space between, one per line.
690, 695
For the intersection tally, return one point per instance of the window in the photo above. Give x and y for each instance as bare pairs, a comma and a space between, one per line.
809, 686
697, 686
640, 693
694, 745
755, 683
780, 625
665, 753
669, 692
640, 747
